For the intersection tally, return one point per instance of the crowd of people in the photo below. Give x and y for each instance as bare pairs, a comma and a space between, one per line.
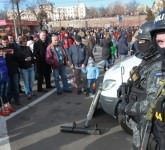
42, 55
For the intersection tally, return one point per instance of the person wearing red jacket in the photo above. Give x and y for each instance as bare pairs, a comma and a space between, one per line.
67, 42
56, 57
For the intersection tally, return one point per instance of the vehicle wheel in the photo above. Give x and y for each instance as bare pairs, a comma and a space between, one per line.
123, 123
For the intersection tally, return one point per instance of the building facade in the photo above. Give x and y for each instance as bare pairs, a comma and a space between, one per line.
53, 13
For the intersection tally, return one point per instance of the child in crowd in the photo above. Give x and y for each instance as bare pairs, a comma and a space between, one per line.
92, 73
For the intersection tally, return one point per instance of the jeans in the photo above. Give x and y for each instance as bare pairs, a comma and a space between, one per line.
60, 72
3, 93
13, 87
107, 63
89, 85
28, 79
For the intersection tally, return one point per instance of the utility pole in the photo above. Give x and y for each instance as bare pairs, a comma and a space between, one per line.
14, 21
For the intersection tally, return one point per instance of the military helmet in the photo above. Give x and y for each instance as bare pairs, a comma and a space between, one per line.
144, 45
144, 31
159, 23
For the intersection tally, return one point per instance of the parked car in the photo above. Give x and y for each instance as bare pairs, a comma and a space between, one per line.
113, 78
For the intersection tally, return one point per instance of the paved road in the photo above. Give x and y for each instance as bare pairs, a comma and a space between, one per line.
37, 126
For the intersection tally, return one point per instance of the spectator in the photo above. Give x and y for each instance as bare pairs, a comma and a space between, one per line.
26, 59
13, 72
13, 44
123, 46
43, 69
56, 57
88, 44
78, 58
106, 53
98, 37
67, 42
12, 41
30, 43
113, 50
92, 74
5, 106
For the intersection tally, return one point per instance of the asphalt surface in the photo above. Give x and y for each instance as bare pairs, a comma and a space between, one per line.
38, 126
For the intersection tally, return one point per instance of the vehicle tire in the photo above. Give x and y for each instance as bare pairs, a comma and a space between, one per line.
123, 123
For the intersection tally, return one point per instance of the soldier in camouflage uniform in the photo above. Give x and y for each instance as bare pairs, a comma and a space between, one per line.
143, 84
158, 38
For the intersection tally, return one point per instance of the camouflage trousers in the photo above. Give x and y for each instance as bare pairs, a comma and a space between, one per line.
136, 141
139, 125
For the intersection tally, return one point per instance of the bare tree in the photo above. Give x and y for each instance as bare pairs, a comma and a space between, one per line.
103, 12
92, 12
119, 8
110, 10
18, 15
132, 7
3, 14
37, 10
150, 14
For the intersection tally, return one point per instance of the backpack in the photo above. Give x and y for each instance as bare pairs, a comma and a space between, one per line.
3, 70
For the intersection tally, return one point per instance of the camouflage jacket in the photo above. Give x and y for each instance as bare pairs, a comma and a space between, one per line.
150, 76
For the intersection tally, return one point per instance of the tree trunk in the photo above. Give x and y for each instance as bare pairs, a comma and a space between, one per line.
19, 18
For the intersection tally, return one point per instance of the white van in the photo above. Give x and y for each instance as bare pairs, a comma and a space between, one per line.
112, 80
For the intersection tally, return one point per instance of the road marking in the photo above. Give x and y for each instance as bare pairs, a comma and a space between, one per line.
36, 101
39, 136
4, 140
31, 104
89, 139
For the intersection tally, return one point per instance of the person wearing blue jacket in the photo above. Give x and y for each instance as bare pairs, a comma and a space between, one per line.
92, 73
123, 45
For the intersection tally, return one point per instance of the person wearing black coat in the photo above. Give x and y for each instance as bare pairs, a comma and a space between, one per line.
43, 69
26, 60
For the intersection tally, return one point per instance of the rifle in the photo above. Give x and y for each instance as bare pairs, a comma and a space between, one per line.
150, 114
123, 90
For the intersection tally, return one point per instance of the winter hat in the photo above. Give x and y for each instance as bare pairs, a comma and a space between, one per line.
90, 61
